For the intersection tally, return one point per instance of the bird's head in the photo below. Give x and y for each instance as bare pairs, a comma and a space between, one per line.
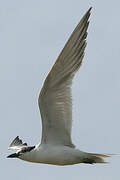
21, 152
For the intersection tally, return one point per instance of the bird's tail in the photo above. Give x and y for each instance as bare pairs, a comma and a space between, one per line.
92, 158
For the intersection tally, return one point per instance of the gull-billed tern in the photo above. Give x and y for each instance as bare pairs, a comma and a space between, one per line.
55, 104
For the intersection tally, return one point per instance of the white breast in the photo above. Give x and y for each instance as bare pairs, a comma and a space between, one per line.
57, 155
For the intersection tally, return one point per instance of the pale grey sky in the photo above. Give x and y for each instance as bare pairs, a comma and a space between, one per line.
32, 34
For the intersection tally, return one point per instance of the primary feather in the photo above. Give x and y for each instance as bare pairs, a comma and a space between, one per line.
55, 100
17, 144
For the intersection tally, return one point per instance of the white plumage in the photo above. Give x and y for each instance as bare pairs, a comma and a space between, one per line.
55, 103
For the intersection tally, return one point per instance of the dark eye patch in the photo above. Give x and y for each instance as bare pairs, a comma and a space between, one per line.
27, 149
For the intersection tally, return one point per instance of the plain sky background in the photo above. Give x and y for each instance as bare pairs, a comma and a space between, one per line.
32, 34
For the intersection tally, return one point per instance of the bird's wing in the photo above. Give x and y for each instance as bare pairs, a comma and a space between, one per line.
17, 144
55, 100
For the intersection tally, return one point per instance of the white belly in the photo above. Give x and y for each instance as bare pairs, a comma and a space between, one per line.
57, 155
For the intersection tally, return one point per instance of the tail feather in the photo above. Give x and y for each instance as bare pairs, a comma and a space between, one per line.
100, 155
95, 158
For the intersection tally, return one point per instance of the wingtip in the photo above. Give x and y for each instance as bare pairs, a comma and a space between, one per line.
16, 143
87, 14
9, 147
89, 10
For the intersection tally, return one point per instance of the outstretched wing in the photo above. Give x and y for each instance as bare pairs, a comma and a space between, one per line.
17, 144
55, 101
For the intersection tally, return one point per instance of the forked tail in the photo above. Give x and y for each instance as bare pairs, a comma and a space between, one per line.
92, 158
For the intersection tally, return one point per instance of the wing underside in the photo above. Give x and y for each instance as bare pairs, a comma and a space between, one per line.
55, 100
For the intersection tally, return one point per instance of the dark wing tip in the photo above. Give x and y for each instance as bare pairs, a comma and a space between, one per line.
87, 14
89, 10
17, 142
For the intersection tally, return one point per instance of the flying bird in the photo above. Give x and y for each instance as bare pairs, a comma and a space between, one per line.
55, 104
